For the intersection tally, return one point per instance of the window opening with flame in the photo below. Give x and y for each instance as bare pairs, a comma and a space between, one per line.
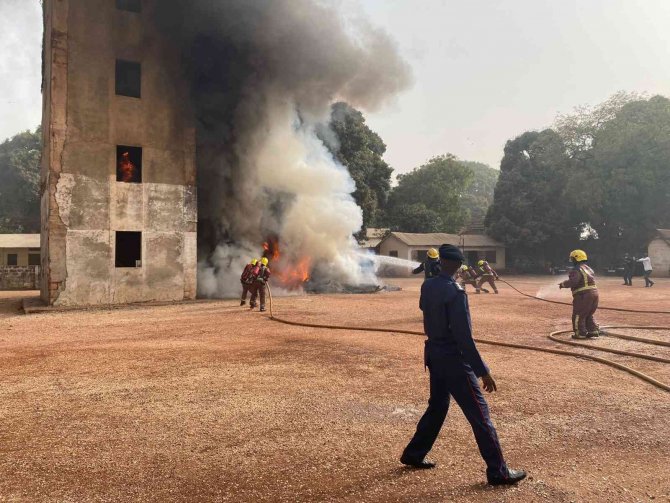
128, 164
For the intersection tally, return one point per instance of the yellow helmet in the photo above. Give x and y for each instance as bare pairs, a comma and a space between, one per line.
578, 255
264, 261
254, 261
464, 267
480, 263
432, 253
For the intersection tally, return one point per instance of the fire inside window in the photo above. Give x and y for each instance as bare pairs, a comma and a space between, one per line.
128, 164
128, 249
128, 78
129, 5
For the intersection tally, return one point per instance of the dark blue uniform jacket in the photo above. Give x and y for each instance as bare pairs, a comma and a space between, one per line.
431, 268
446, 322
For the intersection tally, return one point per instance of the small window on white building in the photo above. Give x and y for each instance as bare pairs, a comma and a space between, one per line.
12, 259
393, 253
33, 259
490, 256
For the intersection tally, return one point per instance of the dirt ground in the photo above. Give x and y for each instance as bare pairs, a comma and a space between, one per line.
210, 402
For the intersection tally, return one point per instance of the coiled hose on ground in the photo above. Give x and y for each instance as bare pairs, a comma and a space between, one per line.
553, 336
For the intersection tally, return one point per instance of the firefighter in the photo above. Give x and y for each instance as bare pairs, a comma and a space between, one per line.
258, 285
582, 282
467, 276
487, 275
431, 266
247, 278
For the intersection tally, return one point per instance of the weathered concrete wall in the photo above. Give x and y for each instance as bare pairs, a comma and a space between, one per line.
19, 277
84, 205
659, 253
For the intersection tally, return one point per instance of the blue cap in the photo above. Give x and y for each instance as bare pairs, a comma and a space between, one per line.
451, 252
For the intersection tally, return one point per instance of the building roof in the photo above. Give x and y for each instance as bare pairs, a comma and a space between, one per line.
373, 236
438, 238
664, 233
19, 240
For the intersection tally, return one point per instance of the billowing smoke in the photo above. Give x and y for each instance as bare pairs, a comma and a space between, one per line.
264, 74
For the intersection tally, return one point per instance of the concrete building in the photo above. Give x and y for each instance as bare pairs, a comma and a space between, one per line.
119, 207
373, 238
414, 247
659, 253
19, 261
19, 249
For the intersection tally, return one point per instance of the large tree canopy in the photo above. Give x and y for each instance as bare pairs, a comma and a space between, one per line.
19, 183
360, 149
427, 199
600, 181
478, 195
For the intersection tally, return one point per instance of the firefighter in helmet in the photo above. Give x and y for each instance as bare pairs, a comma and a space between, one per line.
431, 266
487, 275
259, 283
582, 282
247, 279
467, 276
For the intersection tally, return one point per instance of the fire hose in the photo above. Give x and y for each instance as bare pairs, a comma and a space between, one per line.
553, 336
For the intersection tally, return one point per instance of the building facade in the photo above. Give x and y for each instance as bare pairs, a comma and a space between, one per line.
19, 261
414, 247
119, 206
659, 253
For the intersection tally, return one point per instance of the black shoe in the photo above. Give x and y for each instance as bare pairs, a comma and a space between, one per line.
513, 476
652, 284
578, 336
421, 464
243, 303
252, 306
262, 309
592, 335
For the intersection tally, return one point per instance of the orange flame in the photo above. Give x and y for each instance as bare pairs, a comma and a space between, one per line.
127, 168
290, 274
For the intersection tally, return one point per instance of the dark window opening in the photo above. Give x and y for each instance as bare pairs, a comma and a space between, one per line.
12, 259
128, 164
129, 5
490, 256
421, 255
33, 259
128, 249
128, 78
393, 253
472, 257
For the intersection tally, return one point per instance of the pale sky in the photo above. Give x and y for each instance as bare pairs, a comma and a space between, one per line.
485, 71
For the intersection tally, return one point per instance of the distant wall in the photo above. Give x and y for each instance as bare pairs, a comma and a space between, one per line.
19, 277
659, 253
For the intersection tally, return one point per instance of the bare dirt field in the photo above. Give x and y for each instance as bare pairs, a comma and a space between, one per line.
210, 402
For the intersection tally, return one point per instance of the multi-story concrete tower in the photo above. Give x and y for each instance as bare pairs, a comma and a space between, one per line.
119, 205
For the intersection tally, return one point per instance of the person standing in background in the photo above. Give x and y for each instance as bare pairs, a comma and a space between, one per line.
646, 263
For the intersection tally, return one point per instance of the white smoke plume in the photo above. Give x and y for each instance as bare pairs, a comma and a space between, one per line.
264, 74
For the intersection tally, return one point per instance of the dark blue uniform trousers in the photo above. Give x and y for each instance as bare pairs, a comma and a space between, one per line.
449, 376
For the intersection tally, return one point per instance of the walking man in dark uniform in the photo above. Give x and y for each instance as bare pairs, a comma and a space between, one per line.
628, 270
454, 364
431, 266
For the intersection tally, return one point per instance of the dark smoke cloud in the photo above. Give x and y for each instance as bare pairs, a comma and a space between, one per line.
263, 76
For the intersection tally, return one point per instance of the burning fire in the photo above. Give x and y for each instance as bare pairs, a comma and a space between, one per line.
127, 168
290, 274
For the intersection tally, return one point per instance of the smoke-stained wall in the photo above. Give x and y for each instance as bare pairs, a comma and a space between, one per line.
263, 76
84, 120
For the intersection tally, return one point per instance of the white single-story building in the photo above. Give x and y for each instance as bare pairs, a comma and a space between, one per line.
410, 246
19, 249
373, 237
659, 253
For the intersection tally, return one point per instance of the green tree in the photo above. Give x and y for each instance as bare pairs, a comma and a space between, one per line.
624, 188
361, 150
478, 195
531, 212
19, 182
428, 199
